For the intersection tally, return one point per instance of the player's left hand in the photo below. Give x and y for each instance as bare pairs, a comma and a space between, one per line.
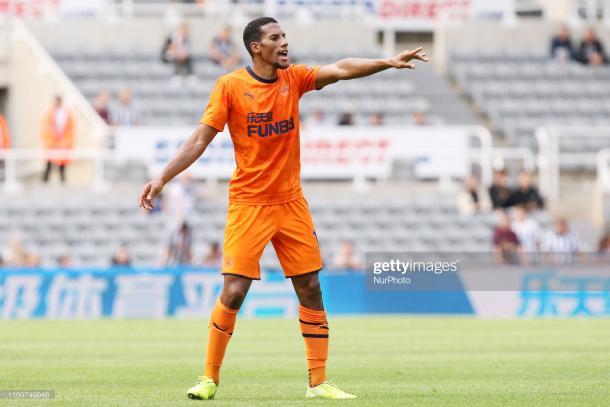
402, 60
149, 192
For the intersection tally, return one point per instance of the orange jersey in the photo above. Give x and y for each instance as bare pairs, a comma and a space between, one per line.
263, 119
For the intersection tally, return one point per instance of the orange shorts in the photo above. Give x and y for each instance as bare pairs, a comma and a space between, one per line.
288, 226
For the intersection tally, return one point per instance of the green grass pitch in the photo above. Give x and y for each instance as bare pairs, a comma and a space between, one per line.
386, 361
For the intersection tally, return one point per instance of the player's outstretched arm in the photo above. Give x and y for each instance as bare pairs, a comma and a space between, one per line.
351, 68
190, 151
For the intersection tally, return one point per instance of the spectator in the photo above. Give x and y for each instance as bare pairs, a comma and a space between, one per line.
101, 105
346, 258
561, 245
526, 194
124, 112
505, 241
418, 119
528, 232
561, 46
5, 136
178, 252
223, 50
346, 119
33, 261
177, 50
499, 193
377, 119
57, 134
469, 200
121, 258
64, 261
214, 256
180, 198
591, 50
15, 255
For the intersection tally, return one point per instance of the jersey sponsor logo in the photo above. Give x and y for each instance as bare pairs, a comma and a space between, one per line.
250, 95
262, 125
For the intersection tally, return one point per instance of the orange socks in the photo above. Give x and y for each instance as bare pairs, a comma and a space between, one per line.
313, 327
315, 332
221, 325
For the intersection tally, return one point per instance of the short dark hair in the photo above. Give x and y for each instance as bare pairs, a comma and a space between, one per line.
252, 32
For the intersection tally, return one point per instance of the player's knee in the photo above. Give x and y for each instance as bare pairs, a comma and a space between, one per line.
311, 288
233, 296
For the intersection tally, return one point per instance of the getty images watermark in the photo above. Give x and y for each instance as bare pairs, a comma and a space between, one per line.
398, 272
458, 272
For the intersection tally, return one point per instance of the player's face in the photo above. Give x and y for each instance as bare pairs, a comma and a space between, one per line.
274, 46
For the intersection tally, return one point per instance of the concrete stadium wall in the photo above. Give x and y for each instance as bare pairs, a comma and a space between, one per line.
4, 38
533, 36
34, 81
148, 34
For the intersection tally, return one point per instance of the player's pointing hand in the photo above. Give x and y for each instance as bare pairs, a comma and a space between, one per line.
149, 192
403, 59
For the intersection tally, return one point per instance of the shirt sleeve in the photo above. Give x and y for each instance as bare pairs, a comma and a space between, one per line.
305, 77
217, 112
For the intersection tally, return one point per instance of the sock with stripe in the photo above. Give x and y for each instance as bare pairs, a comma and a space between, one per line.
222, 322
314, 328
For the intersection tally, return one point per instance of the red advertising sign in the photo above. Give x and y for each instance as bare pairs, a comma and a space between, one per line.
426, 10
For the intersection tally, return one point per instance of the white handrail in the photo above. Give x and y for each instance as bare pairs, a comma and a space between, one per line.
603, 169
517, 153
550, 155
482, 155
98, 157
545, 163
485, 157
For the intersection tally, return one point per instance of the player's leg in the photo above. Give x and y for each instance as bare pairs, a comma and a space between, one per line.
297, 248
62, 172
249, 229
47, 172
314, 326
222, 322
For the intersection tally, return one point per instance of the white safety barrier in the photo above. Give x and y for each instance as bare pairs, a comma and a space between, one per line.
551, 158
355, 154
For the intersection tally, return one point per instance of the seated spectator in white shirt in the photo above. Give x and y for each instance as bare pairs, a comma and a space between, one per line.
561, 245
124, 113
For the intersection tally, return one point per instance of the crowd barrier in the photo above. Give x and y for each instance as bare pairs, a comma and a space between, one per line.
191, 293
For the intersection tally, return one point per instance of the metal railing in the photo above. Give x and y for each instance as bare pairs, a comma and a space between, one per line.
591, 10
550, 156
603, 170
12, 183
